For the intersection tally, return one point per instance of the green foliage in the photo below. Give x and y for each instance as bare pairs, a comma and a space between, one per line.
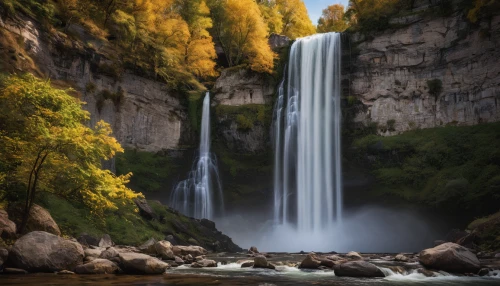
247, 116
150, 170
453, 167
391, 123
435, 87
90, 87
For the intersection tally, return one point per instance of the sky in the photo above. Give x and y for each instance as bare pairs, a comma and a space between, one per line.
315, 7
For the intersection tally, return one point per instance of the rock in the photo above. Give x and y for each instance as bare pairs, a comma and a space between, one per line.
201, 257
401, 258
14, 271
208, 224
7, 227
109, 253
193, 241
192, 250
88, 240
93, 252
188, 258
40, 251
204, 263
39, 219
497, 255
247, 264
260, 261
139, 263
170, 238
164, 249
179, 260
450, 257
334, 258
354, 255
278, 41
438, 242
105, 241
310, 262
357, 269
66, 272
327, 262
425, 272
149, 247
98, 266
145, 209
253, 249
483, 272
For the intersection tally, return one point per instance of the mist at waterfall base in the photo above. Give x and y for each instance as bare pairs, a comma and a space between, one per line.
308, 210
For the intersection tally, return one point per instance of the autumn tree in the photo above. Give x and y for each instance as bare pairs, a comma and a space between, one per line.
295, 18
45, 139
271, 14
332, 20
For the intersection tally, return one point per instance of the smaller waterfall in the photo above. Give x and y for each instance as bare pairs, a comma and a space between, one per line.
200, 196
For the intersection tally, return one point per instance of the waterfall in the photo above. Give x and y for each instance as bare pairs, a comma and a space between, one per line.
307, 133
200, 196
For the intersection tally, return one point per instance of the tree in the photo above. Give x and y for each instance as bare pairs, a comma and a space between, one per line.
296, 21
271, 14
43, 133
333, 19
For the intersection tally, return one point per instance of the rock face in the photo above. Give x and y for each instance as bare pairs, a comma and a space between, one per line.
144, 115
357, 269
431, 72
450, 257
39, 219
98, 266
142, 264
40, 251
240, 86
7, 227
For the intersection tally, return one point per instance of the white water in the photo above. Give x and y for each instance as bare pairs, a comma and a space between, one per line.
307, 126
200, 196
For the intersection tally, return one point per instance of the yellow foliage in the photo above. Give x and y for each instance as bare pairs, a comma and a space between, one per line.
479, 5
332, 19
296, 21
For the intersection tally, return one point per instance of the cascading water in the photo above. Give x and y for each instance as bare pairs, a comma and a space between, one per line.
307, 126
200, 196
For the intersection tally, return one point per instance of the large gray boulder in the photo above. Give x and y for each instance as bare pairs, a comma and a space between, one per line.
139, 263
204, 263
185, 250
98, 266
310, 262
39, 219
260, 261
164, 249
40, 251
450, 257
7, 227
357, 269
148, 247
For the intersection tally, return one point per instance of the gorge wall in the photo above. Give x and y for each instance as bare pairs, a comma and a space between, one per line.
425, 71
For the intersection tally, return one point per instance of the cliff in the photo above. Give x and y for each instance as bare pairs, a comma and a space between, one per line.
425, 71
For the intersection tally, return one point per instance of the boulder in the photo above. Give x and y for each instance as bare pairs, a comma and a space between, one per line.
88, 240
450, 257
357, 269
401, 258
109, 253
260, 261
93, 252
7, 227
98, 266
204, 263
4, 254
105, 241
39, 219
179, 260
253, 250
310, 262
40, 251
148, 247
438, 242
185, 250
354, 255
145, 209
247, 264
334, 258
139, 263
164, 249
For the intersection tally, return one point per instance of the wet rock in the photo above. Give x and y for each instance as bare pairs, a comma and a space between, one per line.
247, 264
483, 272
260, 261
98, 266
105, 241
310, 262
204, 263
109, 253
139, 263
401, 258
39, 219
425, 272
354, 255
145, 209
148, 247
357, 269
192, 250
179, 260
7, 227
164, 249
450, 257
14, 271
40, 251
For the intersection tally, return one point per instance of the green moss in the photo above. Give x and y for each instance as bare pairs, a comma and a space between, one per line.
151, 170
452, 167
246, 116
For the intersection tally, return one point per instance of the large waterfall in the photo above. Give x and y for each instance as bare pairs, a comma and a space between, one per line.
307, 129
200, 196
